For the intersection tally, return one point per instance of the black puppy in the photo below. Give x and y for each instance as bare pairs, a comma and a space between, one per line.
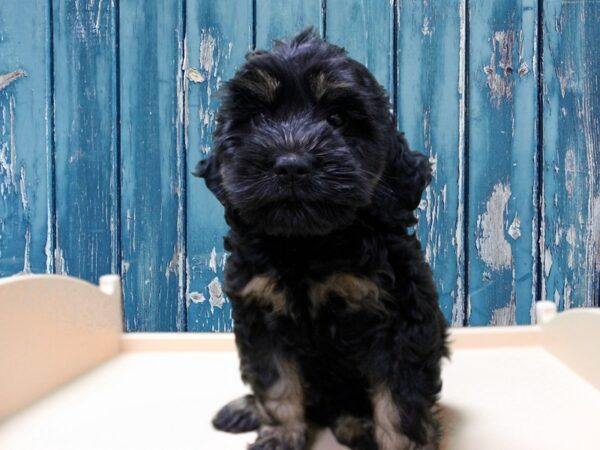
336, 314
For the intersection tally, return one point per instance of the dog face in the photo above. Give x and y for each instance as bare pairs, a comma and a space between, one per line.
305, 140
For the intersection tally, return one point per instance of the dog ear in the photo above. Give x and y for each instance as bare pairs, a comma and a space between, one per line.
209, 170
399, 190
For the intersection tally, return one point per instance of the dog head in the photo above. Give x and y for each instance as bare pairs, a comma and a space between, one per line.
305, 141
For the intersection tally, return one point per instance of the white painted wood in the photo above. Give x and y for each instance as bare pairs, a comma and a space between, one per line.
53, 328
177, 342
517, 399
574, 336
545, 311
533, 387
496, 399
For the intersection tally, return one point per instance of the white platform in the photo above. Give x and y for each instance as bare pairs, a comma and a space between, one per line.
504, 389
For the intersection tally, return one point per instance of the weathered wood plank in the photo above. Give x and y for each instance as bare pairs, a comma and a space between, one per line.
277, 19
152, 187
26, 237
361, 26
502, 186
571, 198
86, 138
431, 102
217, 40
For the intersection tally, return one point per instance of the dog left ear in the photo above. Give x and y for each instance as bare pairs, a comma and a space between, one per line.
209, 170
405, 177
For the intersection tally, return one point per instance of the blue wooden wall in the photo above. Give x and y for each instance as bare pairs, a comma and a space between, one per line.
106, 105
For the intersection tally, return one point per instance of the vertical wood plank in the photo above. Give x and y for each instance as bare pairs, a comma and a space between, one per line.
431, 112
277, 19
502, 176
365, 29
218, 35
571, 197
86, 138
151, 55
26, 239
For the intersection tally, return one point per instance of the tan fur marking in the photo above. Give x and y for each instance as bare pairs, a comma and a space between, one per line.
264, 85
358, 292
263, 290
284, 401
321, 83
348, 428
387, 422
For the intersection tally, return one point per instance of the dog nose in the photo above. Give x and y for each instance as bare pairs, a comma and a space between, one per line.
291, 165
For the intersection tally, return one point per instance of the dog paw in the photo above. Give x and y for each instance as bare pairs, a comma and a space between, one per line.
355, 433
238, 416
279, 438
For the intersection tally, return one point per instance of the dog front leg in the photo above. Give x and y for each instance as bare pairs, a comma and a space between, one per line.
400, 421
280, 406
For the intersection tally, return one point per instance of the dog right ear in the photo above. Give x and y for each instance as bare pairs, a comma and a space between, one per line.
406, 175
209, 170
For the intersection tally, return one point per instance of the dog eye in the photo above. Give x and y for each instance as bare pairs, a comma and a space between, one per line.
335, 119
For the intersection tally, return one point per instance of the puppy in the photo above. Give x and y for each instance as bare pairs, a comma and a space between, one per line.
335, 311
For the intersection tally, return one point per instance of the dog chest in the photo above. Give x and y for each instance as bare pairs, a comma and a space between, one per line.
333, 319
339, 292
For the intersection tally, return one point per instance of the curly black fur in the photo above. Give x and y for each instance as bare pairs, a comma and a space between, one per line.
336, 315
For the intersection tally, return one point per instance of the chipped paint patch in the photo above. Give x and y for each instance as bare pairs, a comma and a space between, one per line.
596, 231
8, 78
571, 239
224, 257
216, 297
500, 82
504, 316
207, 50
49, 241
570, 171
458, 310
433, 159
425, 29
173, 265
212, 263
556, 297
8, 153
195, 76
24, 201
188, 278
491, 244
523, 69
565, 79
547, 262
196, 297
515, 228
59, 261
27, 253
567, 296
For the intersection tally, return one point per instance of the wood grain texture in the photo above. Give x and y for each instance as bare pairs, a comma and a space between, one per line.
26, 239
571, 156
430, 108
151, 158
86, 138
502, 151
216, 42
276, 19
361, 26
